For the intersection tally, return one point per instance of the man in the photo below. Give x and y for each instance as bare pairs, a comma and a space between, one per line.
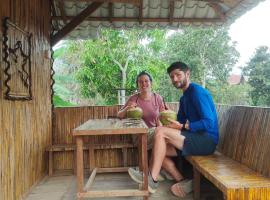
194, 133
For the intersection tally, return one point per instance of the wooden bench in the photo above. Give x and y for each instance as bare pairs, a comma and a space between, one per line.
241, 166
72, 147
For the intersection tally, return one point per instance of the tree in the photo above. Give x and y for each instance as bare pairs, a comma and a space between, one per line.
117, 56
209, 53
67, 59
258, 72
114, 59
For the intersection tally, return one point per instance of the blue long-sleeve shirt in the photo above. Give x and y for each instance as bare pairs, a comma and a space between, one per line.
197, 106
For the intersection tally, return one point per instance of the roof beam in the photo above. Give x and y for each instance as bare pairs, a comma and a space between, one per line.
110, 11
140, 11
217, 8
233, 7
171, 10
75, 21
135, 19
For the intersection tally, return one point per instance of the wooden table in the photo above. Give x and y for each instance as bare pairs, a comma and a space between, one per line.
105, 127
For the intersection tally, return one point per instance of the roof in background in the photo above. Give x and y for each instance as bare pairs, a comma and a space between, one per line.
171, 14
234, 79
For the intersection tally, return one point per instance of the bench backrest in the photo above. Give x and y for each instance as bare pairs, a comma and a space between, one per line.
245, 136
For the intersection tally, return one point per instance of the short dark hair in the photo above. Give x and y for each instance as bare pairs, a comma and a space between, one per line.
141, 74
178, 65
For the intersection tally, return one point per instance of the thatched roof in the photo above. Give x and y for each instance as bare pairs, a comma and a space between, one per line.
81, 18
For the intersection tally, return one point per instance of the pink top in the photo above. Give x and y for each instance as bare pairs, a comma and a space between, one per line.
151, 108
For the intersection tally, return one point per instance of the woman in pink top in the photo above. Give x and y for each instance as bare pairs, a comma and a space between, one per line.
151, 103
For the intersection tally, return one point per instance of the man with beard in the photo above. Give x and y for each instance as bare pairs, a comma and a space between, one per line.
194, 133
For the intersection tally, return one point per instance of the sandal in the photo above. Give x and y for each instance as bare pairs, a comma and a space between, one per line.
182, 188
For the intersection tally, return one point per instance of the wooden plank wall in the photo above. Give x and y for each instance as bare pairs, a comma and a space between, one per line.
67, 119
245, 136
25, 126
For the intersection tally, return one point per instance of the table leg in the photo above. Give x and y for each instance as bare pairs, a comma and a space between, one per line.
91, 154
79, 142
140, 153
196, 183
144, 162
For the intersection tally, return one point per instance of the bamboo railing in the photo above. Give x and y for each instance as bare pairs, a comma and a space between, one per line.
258, 126
69, 118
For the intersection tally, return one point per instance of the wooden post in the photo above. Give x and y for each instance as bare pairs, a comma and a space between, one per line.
124, 153
144, 162
75, 162
196, 184
79, 142
50, 163
140, 152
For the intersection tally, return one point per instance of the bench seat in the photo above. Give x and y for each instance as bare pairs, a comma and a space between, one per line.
231, 177
241, 166
235, 180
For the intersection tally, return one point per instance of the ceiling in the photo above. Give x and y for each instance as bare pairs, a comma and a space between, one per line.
80, 19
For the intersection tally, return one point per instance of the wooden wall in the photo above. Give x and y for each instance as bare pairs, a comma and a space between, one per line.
25, 126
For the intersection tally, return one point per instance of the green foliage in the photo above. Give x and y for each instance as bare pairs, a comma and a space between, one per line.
230, 94
58, 101
258, 72
208, 52
92, 70
114, 60
58, 52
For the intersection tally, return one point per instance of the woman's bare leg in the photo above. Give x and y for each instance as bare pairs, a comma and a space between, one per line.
163, 136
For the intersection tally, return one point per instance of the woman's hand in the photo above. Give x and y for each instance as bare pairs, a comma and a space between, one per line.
122, 113
130, 105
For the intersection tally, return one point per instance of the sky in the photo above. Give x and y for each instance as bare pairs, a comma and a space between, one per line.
250, 31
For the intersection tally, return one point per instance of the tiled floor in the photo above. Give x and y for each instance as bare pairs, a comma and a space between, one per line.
64, 188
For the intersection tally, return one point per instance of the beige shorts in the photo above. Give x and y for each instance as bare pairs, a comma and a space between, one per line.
150, 137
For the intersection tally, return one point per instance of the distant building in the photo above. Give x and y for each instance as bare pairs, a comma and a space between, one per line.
236, 79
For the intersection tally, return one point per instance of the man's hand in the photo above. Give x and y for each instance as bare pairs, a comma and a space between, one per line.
174, 124
187, 125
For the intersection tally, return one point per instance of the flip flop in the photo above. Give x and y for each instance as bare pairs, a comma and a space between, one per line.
182, 188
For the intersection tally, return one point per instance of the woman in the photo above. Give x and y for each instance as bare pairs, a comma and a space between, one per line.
151, 103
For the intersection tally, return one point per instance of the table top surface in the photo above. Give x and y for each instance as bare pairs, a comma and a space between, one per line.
111, 127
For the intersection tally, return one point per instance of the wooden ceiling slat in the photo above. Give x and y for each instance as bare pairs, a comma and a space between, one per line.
75, 21
111, 11
212, 1
136, 2
53, 9
62, 10
135, 19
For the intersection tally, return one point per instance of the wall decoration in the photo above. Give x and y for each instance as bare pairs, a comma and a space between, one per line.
17, 59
